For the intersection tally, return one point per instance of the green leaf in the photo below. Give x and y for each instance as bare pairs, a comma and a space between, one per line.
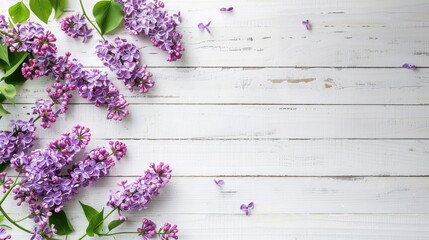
89, 211
8, 91
61, 222
19, 12
4, 54
59, 6
1, 218
95, 224
108, 15
3, 111
42, 9
3, 167
16, 61
114, 224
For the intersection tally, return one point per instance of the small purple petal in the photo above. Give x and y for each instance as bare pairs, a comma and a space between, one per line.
229, 9
203, 27
243, 207
219, 182
409, 66
251, 205
307, 24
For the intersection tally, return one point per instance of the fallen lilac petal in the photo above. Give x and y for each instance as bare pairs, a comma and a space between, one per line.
203, 27
229, 9
307, 24
409, 66
246, 208
219, 182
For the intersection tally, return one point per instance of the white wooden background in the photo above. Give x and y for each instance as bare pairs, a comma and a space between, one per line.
323, 130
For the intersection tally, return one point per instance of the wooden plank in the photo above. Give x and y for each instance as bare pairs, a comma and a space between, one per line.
382, 34
269, 86
244, 122
276, 157
281, 226
281, 195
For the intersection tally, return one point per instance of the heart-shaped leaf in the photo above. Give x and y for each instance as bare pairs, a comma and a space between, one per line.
59, 6
3, 111
61, 222
4, 54
8, 91
95, 224
42, 9
108, 15
19, 12
16, 60
88, 211
3, 167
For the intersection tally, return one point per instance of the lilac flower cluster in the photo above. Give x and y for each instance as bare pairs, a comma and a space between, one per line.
75, 26
92, 85
45, 186
124, 58
148, 230
150, 18
138, 194
20, 138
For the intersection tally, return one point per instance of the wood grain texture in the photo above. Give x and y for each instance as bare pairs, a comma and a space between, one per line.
269, 86
245, 122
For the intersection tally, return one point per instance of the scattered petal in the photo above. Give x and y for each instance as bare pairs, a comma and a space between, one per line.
203, 27
246, 208
219, 182
229, 9
307, 24
409, 66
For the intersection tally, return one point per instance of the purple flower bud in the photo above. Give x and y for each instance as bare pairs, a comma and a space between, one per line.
147, 230
228, 9
168, 232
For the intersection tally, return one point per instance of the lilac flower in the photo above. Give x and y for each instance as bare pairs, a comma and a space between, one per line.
4, 235
149, 17
19, 139
147, 230
246, 208
5, 182
168, 231
229, 9
203, 27
307, 24
138, 194
43, 108
32, 69
124, 58
43, 231
409, 66
45, 186
3, 22
119, 149
219, 182
75, 26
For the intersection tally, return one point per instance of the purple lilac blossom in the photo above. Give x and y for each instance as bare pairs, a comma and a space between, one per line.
75, 26
149, 18
228, 9
45, 186
147, 230
246, 208
32, 69
4, 235
203, 27
124, 58
3, 22
19, 139
138, 194
168, 232
409, 66
219, 182
43, 231
5, 182
307, 24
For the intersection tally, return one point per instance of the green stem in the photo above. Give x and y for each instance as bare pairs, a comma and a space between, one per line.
87, 18
110, 213
13, 222
22, 219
